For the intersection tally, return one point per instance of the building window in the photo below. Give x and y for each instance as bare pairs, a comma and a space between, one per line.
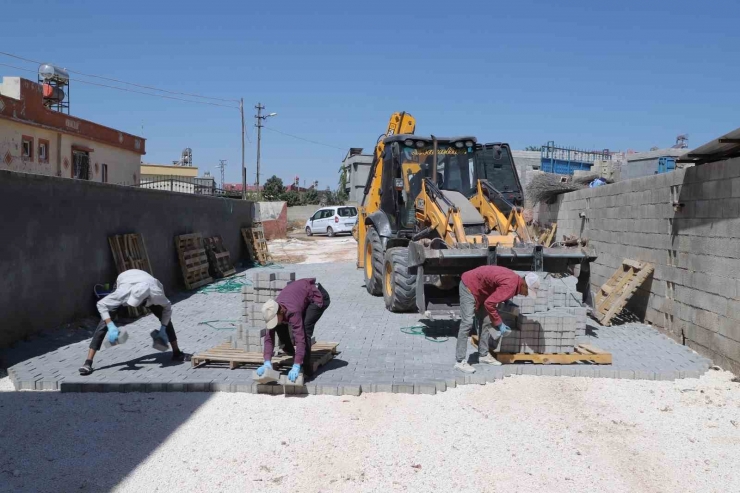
27, 148
43, 151
81, 166
104, 175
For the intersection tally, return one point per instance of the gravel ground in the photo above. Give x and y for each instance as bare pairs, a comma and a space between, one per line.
520, 434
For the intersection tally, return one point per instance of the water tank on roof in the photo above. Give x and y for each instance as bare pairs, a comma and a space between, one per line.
51, 72
53, 94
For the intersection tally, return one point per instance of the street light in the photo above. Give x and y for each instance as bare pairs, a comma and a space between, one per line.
260, 118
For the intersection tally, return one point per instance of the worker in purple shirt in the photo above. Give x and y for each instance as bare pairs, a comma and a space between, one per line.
298, 306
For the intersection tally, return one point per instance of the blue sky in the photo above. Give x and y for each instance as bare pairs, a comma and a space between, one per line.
626, 75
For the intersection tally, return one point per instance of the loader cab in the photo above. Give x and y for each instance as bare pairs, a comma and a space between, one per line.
495, 163
408, 159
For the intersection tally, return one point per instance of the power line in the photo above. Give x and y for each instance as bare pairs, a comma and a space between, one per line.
124, 82
305, 140
131, 90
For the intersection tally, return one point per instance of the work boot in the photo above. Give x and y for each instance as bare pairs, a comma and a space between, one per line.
489, 360
464, 367
86, 369
181, 356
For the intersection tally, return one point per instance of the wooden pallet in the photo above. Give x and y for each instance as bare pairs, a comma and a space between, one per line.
583, 353
616, 292
129, 252
254, 237
193, 260
219, 257
321, 353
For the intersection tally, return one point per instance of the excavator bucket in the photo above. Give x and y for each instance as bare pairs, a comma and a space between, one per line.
435, 261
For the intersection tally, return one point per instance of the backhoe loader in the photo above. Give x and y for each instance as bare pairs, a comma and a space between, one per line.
430, 212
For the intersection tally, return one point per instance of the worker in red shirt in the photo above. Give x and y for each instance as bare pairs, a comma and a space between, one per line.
481, 289
296, 309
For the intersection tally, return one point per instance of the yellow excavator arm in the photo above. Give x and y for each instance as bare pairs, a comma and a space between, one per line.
399, 123
495, 219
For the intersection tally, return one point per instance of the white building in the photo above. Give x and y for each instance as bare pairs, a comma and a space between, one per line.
35, 139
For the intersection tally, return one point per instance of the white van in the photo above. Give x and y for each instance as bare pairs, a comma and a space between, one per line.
332, 220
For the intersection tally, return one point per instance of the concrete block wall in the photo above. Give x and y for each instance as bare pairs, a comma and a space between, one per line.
694, 293
56, 242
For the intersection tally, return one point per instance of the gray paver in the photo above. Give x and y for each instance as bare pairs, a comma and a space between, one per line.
375, 356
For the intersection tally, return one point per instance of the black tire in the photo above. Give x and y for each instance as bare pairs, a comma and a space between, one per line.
373, 262
399, 285
308, 231
329, 232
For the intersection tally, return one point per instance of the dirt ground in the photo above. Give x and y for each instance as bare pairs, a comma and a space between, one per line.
521, 434
301, 249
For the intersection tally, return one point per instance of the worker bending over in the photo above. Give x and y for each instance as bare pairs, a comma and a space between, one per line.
298, 306
134, 288
481, 289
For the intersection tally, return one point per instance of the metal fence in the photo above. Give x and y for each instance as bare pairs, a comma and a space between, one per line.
183, 184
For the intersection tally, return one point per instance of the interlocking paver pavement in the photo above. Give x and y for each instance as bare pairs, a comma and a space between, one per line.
375, 354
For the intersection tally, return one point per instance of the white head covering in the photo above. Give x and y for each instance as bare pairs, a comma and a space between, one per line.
138, 294
533, 283
270, 312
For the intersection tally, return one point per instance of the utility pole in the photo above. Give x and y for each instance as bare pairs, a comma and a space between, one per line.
221, 165
244, 166
259, 117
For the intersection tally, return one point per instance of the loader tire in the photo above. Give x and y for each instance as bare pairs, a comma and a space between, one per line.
373, 270
399, 285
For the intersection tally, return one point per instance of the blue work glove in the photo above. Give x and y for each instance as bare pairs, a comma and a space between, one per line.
112, 332
261, 369
163, 334
504, 329
293, 373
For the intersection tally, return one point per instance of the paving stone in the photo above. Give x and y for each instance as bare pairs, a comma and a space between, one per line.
350, 390
375, 355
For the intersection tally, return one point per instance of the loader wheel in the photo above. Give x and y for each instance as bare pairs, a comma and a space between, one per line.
373, 262
399, 285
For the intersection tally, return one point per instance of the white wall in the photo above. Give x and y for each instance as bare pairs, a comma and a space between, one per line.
11, 139
122, 164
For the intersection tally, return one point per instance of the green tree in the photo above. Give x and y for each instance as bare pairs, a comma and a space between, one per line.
273, 188
291, 197
342, 197
533, 148
311, 196
343, 176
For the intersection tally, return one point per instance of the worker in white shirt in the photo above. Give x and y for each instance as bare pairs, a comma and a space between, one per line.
134, 288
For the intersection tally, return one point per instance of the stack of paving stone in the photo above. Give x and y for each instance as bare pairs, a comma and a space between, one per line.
548, 324
250, 332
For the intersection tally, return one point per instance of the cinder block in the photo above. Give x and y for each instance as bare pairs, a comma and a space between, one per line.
327, 389
222, 387
403, 388
263, 277
354, 390
425, 388
278, 284
285, 276
283, 380
269, 376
